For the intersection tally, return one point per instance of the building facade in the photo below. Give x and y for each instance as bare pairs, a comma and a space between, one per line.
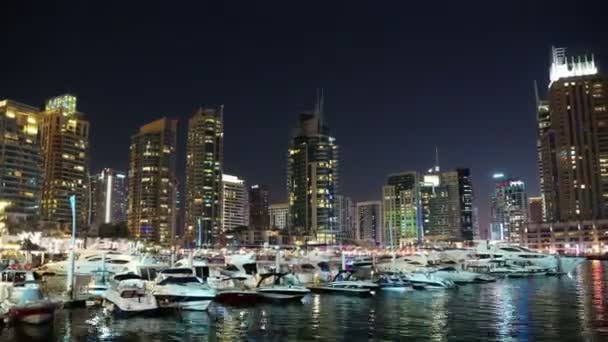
312, 179
369, 226
573, 141
259, 217
402, 212
535, 209
204, 169
508, 209
279, 215
345, 218
152, 182
21, 173
65, 151
108, 197
572, 237
235, 203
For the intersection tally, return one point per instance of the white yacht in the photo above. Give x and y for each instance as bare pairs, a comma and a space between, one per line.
128, 296
179, 288
512, 252
424, 281
89, 261
22, 300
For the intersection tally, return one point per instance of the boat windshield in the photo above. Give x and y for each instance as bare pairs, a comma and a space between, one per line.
250, 268
178, 280
324, 266
13, 277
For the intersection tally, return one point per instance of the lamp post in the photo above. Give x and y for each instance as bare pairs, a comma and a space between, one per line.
70, 279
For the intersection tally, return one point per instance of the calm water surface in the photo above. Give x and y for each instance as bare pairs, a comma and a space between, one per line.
534, 309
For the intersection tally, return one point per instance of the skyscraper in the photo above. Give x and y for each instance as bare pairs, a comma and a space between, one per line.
369, 225
402, 215
20, 159
312, 179
573, 141
152, 182
235, 204
345, 217
65, 150
259, 217
508, 209
204, 168
535, 209
109, 197
279, 215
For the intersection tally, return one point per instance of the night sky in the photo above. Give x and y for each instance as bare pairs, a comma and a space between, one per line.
399, 78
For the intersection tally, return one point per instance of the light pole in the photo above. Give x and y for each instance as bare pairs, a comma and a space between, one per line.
70, 280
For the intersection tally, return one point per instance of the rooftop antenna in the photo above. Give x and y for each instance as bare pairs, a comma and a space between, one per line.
319, 108
436, 159
536, 93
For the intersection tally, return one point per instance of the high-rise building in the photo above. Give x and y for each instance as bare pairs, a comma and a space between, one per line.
204, 168
312, 179
108, 197
20, 159
508, 209
535, 209
279, 214
369, 225
402, 213
573, 140
65, 151
235, 204
345, 217
478, 234
259, 217
152, 182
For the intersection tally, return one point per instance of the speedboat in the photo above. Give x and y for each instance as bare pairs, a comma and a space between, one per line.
178, 288
234, 292
345, 283
22, 299
393, 282
128, 296
427, 280
284, 287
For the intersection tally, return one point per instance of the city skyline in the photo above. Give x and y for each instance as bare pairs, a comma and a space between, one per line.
406, 73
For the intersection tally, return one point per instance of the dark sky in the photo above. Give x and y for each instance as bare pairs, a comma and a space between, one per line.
400, 78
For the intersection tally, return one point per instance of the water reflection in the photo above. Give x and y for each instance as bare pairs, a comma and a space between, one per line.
535, 309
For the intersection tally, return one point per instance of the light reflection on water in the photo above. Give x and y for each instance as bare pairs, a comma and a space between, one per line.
535, 309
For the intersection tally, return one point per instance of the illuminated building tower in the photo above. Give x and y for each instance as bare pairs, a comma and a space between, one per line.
508, 209
259, 218
109, 197
20, 160
402, 215
344, 209
279, 214
204, 168
312, 179
152, 182
65, 150
235, 204
573, 141
535, 209
369, 222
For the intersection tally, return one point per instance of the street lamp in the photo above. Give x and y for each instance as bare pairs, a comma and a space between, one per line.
70, 280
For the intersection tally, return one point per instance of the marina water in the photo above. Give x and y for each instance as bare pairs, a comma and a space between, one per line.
527, 309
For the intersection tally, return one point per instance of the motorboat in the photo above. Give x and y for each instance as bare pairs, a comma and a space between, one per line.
234, 292
393, 282
179, 288
500, 267
345, 283
427, 280
283, 287
128, 296
456, 276
22, 299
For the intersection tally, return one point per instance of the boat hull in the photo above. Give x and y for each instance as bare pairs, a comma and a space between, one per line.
237, 297
184, 303
361, 292
33, 313
278, 295
118, 312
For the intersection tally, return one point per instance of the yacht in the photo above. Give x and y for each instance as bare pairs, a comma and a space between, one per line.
426, 281
22, 300
456, 276
516, 253
345, 283
392, 282
89, 261
179, 288
128, 296
284, 287
232, 291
